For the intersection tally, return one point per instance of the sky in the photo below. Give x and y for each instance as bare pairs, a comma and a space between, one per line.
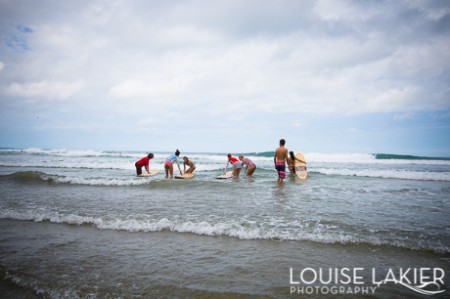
226, 76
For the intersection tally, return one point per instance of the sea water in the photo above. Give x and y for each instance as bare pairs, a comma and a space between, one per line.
80, 224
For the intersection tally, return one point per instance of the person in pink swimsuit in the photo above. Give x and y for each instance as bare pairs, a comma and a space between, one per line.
168, 164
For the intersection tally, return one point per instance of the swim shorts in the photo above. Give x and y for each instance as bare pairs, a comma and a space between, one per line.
281, 168
237, 165
138, 169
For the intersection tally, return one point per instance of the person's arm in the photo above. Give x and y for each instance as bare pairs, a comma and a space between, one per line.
275, 159
147, 168
300, 160
179, 168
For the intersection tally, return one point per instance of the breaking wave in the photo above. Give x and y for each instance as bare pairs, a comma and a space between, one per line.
311, 231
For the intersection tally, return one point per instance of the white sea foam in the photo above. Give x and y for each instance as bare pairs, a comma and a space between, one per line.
73, 153
69, 153
340, 158
387, 174
101, 181
361, 158
296, 231
71, 164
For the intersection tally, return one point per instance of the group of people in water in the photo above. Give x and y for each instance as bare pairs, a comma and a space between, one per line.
281, 158
168, 164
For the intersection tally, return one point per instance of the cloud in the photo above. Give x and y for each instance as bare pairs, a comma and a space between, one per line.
330, 10
152, 88
394, 100
179, 54
47, 90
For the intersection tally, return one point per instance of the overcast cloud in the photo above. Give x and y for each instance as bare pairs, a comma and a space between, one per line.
224, 76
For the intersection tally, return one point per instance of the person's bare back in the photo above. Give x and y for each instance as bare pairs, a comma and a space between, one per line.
281, 154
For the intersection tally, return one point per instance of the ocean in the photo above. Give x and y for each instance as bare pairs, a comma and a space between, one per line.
80, 224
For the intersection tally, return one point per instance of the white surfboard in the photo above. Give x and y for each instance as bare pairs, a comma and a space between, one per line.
226, 175
185, 176
152, 173
300, 167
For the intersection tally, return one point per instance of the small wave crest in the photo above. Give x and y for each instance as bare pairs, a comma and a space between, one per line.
408, 157
387, 174
34, 285
40, 177
70, 153
28, 176
312, 231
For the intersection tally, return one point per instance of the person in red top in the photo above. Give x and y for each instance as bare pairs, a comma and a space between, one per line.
143, 162
237, 165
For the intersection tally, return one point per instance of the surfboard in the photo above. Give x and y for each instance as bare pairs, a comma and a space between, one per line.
300, 167
152, 173
226, 175
185, 176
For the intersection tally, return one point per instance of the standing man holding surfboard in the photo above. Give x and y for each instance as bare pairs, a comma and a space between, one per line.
280, 158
